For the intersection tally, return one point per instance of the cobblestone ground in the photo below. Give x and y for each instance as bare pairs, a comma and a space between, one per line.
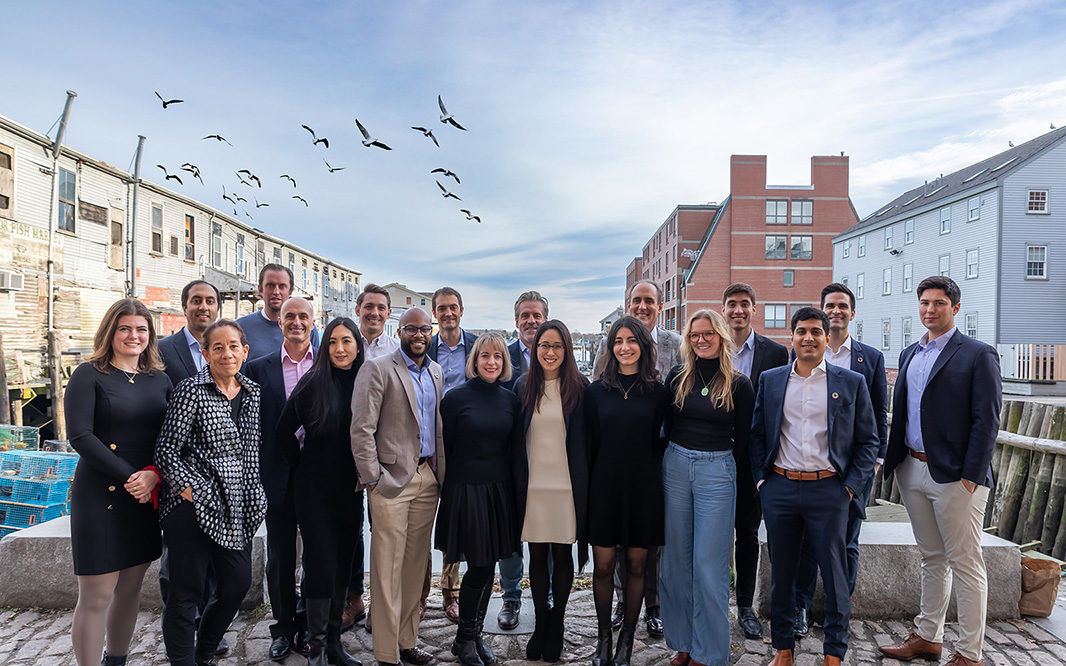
43, 637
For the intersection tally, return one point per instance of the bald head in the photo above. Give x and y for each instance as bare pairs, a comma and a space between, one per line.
415, 317
297, 320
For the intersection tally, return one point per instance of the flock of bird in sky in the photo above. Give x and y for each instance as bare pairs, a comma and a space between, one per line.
246, 178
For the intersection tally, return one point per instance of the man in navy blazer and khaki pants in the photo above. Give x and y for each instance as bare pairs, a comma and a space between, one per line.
945, 419
813, 445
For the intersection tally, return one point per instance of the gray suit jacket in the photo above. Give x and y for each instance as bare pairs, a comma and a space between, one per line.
667, 354
385, 435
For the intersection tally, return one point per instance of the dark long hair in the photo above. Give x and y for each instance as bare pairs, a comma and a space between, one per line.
318, 381
571, 381
647, 375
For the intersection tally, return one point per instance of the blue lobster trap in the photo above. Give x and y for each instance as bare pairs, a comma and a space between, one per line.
20, 514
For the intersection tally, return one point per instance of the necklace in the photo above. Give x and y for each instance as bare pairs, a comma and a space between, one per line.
705, 390
129, 375
625, 391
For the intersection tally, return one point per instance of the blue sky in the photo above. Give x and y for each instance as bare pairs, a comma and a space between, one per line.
588, 121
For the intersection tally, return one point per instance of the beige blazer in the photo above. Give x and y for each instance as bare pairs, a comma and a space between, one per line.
385, 435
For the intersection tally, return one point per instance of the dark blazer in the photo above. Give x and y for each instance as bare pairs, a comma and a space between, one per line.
468, 343
962, 397
852, 429
274, 467
515, 350
577, 459
176, 357
766, 355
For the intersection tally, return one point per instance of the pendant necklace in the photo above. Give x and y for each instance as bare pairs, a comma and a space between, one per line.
705, 390
129, 375
625, 392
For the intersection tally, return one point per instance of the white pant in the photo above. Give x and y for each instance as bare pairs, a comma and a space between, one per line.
946, 520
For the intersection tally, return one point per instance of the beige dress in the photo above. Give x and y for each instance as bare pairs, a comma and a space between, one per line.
550, 515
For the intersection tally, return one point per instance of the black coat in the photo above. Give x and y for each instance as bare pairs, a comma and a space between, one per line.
766, 355
174, 349
274, 468
577, 459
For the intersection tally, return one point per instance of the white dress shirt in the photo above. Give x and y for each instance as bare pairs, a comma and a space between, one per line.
804, 444
380, 346
841, 358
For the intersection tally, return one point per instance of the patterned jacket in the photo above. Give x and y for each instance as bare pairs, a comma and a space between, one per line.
200, 447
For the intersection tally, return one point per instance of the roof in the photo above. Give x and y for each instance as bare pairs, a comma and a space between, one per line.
707, 238
948, 186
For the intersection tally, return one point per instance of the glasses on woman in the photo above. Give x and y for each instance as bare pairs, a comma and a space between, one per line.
545, 347
696, 337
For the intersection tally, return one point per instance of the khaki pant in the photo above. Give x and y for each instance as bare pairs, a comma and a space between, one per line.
399, 552
946, 520
449, 580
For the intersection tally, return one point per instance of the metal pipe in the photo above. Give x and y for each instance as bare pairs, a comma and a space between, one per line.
53, 206
131, 290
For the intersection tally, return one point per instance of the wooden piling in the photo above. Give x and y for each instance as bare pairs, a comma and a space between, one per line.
1014, 486
1032, 429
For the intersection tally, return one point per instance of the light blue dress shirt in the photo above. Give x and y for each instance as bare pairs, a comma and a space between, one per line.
921, 364
194, 348
426, 399
453, 361
743, 357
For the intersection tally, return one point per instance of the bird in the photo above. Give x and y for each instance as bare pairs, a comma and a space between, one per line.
367, 141
216, 137
314, 139
227, 197
169, 176
234, 212
194, 170
239, 198
259, 205
1010, 143
469, 215
243, 181
427, 132
447, 173
290, 178
168, 102
446, 117
333, 168
249, 216
445, 193
296, 196
251, 176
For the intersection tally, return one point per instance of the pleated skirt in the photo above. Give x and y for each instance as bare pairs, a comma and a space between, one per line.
477, 523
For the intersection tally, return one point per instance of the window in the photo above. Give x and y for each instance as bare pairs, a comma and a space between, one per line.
858, 331
906, 331
908, 232
117, 241
847, 249
1036, 262
888, 238
260, 252
801, 247
908, 278
216, 244
776, 247
7, 178
325, 283
239, 263
174, 245
1037, 202
945, 265
789, 279
277, 255
945, 220
776, 212
305, 278
190, 238
886, 333
862, 246
844, 280
157, 229
971, 324
775, 316
67, 197
860, 282
802, 212
886, 282
316, 280
292, 262
971, 264
974, 207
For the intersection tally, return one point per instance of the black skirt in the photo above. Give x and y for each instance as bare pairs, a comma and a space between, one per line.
477, 523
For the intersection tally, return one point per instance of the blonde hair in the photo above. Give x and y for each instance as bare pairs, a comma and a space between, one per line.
149, 361
721, 387
500, 344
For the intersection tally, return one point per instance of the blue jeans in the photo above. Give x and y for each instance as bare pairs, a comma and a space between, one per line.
699, 492
511, 577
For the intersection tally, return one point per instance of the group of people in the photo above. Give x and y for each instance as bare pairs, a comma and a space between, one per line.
666, 464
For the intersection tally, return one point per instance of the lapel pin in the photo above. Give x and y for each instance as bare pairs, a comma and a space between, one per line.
836, 395
860, 359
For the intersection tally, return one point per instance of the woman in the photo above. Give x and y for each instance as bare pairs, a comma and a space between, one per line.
213, 500
709, 425
313, 433
115, 404
624, 412
552, 480
477, 520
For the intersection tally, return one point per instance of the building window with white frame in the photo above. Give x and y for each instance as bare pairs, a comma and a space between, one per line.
67, 200
971, 324
862, 246
886, 282
802, 212
844, 280
190, 238
239, 255
777, 247
846, 251
304, 285
971, 263
216, 244
945, 220
858, 331
908, 232
315, 281
802, 247
1036, 262
777, 212
277, 255
775, 315
945, 265
789, 278
1037, 203
908, 278
886, 333
974, 207
157, 229
888, 238
292, 262
860, 283
906, 332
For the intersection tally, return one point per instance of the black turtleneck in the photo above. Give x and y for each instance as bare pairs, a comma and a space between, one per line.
699, 424
326, 452
480, 423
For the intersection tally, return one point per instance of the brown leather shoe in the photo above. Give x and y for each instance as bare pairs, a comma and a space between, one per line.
959, 660
415, 656
782, 658
354, 610
681, 659
915, 647
451, 609
830, 660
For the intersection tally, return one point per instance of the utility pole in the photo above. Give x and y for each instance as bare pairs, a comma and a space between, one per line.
131, 289
5, 398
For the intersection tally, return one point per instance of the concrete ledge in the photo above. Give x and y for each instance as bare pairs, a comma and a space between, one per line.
889, 580
37, 571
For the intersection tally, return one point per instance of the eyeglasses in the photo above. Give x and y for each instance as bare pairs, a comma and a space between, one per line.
695, 337
545, 347
411, 330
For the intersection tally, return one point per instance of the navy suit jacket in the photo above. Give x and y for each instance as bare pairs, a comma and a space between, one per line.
960, 412
852, 430
515, 350
274, 469
766, 354
174, 349
468, 343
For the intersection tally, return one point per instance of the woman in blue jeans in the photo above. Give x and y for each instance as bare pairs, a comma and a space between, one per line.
708, 426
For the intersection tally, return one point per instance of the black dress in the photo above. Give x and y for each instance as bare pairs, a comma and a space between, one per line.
477, 521
113, 425
625, 489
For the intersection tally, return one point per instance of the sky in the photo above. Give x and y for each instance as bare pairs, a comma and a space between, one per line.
587, 122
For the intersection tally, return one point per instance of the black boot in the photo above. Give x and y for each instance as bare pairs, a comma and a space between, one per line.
108, 660
624, 650
335, 652
483, 649
317, 624
535, 646
602, 655
465, 647
553, 641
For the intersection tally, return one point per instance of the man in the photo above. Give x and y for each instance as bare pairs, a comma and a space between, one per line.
449, 348
813, 445
399, 453
754, 355
277, 375
838, 303
945, 419
644, 301
262, 328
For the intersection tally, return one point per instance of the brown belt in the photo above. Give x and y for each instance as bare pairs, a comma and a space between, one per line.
917, 454
805, 476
